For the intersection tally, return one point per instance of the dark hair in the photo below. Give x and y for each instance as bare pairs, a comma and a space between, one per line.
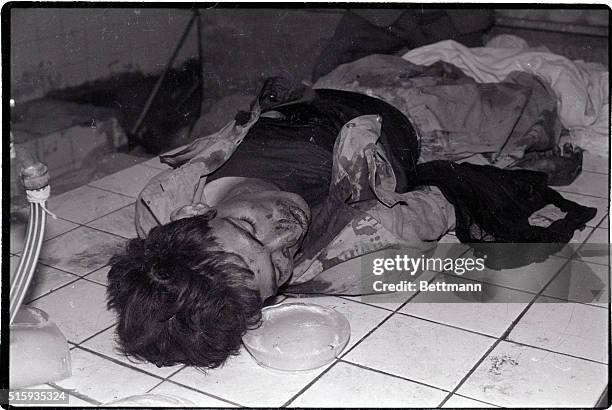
178, 300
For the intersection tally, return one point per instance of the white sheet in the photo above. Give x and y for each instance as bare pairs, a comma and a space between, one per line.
581, 88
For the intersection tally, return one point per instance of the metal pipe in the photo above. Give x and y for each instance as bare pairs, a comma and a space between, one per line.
161, 78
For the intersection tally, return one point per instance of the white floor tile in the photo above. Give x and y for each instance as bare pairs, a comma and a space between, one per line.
530, 278
80, 251
457, 401
197, 398
106, 344
421, 351
120, 222
596, 249
596, 163
241, 380
490, 311
588, 183
86, 203
19, 225
104, 380
100, 276
581, 282
129, 181
570, 328
521, 376
78, 309
44, 280
346, 385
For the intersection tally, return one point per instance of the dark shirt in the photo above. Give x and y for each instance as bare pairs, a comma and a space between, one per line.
295, 152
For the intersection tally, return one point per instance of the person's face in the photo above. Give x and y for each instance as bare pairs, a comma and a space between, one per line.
266, 229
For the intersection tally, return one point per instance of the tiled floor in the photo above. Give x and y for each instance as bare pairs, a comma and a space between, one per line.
541, 341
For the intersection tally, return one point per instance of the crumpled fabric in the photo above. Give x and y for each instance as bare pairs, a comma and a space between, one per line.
581, 89
456, 117
361, 215
353, 221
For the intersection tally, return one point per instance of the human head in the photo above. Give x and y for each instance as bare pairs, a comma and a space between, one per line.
266, 228
177, 300
190, 290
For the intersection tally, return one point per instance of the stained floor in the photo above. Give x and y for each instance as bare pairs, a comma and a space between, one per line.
543, 343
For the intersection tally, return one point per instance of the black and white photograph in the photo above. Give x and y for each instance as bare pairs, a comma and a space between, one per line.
305, 205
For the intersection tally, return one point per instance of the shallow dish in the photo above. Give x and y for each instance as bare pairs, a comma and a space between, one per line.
298, 336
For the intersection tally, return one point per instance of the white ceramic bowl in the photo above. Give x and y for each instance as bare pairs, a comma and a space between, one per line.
298, 336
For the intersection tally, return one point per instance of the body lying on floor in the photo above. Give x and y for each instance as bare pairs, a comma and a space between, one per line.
310, 178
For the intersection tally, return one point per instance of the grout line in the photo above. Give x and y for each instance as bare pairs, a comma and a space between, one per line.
132, 367
199, 391
104, 215
601, 222
591, 304
56, 289
448, 325
167, 378
108, 190
112, 212
94, 335
93, 281
51, 237
503, 336
534, 293
174, 373
112, 192
391, 313
66, 271
469, 373
563, 265
155, 386
118, 362
70, 281
478, 400
554, 351
108, 232
84, 224
576, 252
92, 272
310, 383
392, 375
365, 303
366, 335
69, 230
92, 187
76, 394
